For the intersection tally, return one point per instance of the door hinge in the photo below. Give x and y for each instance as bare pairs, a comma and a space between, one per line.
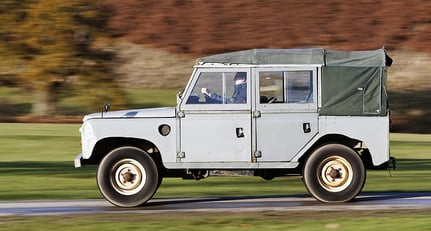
257, 114
181, 155
181, 114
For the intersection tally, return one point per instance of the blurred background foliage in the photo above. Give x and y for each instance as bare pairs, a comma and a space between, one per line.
56, 49
62, 59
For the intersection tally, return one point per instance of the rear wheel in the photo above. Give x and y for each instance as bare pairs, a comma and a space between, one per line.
334, 173
128, 177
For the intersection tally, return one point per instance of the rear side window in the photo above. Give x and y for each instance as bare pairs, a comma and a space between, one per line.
286, 87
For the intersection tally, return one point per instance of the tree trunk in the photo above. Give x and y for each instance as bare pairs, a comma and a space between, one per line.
42, 103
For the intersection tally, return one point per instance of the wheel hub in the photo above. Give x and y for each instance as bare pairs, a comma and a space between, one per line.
335, 174
128, 177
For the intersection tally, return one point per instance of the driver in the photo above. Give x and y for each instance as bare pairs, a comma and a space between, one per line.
240, 92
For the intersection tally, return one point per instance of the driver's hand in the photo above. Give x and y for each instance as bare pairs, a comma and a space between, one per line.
206, 91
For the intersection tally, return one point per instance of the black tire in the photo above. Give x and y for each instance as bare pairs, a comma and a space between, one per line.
334, 173
128, 177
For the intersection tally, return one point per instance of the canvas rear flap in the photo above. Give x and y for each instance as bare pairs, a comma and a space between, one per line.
353, 91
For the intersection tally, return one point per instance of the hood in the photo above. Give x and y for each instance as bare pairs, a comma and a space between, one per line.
166, 112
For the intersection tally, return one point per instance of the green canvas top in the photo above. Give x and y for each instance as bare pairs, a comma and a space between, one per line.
353, 83
319, 56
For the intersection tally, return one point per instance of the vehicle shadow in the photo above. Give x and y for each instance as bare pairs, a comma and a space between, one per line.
378, 196
280, 201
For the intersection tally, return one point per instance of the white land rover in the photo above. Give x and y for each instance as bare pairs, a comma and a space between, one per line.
321, 114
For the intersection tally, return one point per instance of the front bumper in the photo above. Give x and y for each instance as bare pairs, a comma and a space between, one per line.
78, 160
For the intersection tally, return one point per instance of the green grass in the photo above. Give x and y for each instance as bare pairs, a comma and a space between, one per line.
17, 102
413, 171
146, 98
14, 101
265, 220
37, 163
136, 98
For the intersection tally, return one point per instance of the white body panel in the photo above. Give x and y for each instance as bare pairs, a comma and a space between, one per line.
372, 131
252, 135
145, 127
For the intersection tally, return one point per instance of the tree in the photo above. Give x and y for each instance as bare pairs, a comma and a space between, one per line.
59, 44
11, 14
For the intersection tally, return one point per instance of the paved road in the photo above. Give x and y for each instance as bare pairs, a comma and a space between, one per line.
365, 201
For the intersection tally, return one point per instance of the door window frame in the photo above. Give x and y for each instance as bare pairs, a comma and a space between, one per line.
216, 107
292, 106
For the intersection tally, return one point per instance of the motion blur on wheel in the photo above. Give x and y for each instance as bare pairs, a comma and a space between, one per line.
334, 173
127, 177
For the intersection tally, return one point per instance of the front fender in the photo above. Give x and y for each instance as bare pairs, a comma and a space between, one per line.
95, 130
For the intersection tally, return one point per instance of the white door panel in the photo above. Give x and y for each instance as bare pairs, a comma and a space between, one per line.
281, 136
216, 137
216, 126
286, 110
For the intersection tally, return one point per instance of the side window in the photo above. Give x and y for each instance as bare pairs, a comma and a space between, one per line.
299, 86
286, 87
211, 80
271, 87
219, 88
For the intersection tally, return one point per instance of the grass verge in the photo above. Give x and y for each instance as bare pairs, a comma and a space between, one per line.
265, 220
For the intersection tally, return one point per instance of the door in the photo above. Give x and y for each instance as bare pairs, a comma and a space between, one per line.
286, 111
215, 125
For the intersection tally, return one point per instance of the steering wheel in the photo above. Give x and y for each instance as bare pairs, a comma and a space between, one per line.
272, 99
210, 100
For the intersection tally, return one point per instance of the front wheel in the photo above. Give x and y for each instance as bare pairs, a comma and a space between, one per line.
334, 173
127, 177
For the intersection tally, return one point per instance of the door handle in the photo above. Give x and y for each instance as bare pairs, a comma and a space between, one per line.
306, 127
240, 132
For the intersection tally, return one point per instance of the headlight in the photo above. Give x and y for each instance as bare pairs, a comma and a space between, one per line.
86, 131
87, 139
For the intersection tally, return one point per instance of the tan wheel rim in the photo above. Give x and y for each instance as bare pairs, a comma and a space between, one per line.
335, 174
128, 177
